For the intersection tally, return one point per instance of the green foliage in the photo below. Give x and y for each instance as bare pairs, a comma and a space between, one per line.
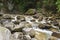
24, 5
1, 5
58, 5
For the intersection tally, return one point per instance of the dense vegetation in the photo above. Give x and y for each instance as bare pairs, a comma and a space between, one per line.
44, 6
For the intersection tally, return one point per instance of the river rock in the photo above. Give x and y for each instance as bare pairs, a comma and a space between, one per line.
54, 29
16, 22
28, 25
21, 26
20, 18
26, 30
27, 37
53, 38
18, 28
31, 12
5, 34
33, 39
28, 18
9, 25
34, 24
32, 33
40, 18
18, 36
41, 26
7, 16
41, 36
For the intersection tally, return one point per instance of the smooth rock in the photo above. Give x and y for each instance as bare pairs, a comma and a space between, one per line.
41, 36
31, 12
53, 38
5, 34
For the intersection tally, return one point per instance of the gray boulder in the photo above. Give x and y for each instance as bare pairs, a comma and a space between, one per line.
5, 34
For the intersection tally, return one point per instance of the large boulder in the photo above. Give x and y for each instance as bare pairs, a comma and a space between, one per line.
5, 34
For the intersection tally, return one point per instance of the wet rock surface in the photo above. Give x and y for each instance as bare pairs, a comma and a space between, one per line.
24, 27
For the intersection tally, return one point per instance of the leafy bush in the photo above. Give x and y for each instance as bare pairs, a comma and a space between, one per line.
58, 5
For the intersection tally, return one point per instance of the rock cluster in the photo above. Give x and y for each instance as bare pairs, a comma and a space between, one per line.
21, 27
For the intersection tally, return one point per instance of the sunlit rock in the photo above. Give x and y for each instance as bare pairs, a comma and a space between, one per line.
32, 33
15, 19
45, 34
31, 12
53, 38
41, 36
27, 30
54, 29
28, 25
5, 34
27, 37
28, 18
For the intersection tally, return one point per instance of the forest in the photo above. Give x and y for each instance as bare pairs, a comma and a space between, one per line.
22, 6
